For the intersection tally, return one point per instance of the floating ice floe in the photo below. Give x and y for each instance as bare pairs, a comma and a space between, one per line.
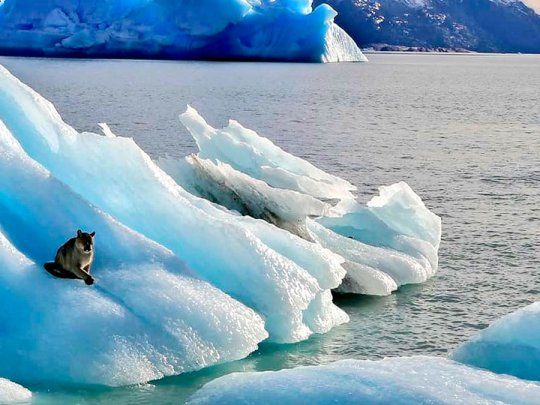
182, 282
279, 275
391, 241
511, 345
148, 317
287, 30
402, 380
11, 393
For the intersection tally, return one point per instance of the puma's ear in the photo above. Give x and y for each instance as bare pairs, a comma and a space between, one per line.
79, 233
93, 234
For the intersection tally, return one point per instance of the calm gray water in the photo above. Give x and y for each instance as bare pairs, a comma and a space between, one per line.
462, 130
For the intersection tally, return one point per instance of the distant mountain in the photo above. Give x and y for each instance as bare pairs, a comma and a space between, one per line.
480, 25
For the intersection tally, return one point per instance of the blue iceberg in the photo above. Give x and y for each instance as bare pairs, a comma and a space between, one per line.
239, 169
280, 276
402, 380
511, 345
182, 282
285, 30
148, 318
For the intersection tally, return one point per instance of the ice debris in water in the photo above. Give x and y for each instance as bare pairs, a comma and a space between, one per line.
511, 345
288, 30
11, 393
401, 380
391, 241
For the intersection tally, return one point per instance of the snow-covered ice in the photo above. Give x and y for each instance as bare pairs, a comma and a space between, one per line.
288, 30
402, 380
511, 345
11, 393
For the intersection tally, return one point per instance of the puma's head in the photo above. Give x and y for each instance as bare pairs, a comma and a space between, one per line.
85, 241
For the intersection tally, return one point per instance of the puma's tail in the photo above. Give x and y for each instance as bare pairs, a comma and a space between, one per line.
57, 271
51, 266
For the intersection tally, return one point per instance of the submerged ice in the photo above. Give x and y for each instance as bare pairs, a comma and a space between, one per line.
197, 261
288, 30
405, 380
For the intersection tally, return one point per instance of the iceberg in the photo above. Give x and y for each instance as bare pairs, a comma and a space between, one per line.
284, 30
196, 264
221, 184
402, 380
280, 276
147, 318
11, 393
391, 241
511, 345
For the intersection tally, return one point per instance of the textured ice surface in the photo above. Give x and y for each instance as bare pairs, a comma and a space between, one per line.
209, 29
219, 182
279, 275
11, 393
258, 157
391, 241
511, 345
145, 318
404, 380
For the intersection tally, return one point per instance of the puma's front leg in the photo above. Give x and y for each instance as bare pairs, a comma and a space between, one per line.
82, 274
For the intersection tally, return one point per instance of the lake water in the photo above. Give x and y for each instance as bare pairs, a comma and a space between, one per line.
462, 130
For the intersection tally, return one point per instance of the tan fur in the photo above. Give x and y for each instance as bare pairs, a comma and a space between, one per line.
73, 257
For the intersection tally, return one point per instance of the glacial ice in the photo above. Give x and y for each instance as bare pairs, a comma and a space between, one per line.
11, 393
277, 274
288, 30
182, 282
256, 156
146, 318
402, 380
391, 241
220, 183
511, 345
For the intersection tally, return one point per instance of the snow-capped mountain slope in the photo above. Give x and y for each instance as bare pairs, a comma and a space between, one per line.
481, 25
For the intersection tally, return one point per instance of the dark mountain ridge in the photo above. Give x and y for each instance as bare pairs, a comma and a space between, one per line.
479, 25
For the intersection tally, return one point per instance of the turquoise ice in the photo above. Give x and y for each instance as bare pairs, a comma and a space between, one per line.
182, 283
288, 30
511, 345
401, 380
390, 241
